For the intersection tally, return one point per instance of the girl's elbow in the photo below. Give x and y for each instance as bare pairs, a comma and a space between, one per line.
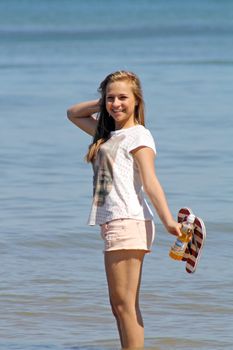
68, 113
148, 189
151, 188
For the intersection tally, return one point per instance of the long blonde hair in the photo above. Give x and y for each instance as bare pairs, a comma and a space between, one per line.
106, 123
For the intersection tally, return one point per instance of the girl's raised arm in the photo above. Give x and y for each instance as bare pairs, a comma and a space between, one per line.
81, 115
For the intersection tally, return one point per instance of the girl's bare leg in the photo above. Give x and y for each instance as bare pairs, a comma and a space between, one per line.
123, 270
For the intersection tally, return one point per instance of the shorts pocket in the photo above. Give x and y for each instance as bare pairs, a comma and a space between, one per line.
110, 232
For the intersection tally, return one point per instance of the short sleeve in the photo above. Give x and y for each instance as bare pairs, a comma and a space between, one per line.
142, 138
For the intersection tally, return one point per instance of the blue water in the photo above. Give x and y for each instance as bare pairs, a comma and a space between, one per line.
53, 293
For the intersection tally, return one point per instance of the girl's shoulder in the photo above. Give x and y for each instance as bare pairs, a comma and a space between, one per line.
136, 129
135, 132
141, 136
141, 130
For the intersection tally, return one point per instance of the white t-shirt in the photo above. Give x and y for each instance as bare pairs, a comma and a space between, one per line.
117, 187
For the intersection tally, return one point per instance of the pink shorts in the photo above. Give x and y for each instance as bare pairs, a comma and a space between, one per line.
128, 234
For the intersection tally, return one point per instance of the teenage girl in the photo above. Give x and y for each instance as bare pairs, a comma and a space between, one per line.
122, 154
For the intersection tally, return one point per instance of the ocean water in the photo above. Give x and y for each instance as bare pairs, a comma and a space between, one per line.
53, 293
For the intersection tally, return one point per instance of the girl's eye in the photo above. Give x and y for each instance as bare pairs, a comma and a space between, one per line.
111, 98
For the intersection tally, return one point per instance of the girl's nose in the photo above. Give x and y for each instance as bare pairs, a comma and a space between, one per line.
115, 102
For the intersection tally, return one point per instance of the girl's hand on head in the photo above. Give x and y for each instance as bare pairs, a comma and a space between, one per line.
174, 228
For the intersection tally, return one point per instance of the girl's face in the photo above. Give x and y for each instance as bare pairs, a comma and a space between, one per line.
120, 103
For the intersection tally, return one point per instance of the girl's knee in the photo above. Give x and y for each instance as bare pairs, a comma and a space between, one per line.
122, 306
